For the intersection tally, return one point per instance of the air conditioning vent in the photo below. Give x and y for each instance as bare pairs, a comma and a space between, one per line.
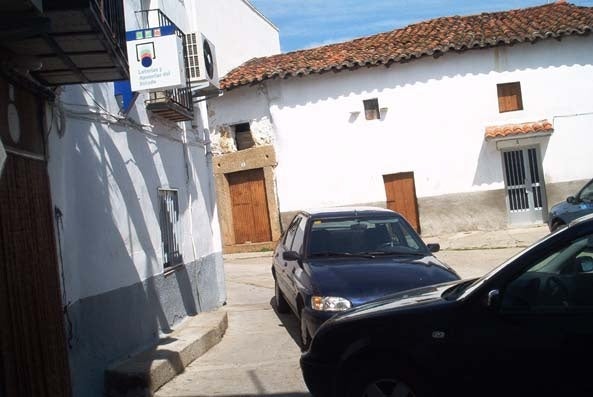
201, 64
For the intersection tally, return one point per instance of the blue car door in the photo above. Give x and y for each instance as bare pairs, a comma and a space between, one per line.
294, 267
283, 274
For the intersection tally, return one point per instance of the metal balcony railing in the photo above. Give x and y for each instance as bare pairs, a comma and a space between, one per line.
111, 13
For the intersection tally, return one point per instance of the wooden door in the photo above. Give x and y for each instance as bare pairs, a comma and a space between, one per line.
401, 196
34, 360
251, 220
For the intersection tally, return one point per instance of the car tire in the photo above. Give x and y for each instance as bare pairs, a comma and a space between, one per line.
305, 337
382, 378
281, 304
557, 224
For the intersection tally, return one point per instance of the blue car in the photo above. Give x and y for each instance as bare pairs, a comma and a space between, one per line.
330, 260
574, 207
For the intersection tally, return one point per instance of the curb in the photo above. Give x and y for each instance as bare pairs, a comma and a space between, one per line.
142, 374
248, 255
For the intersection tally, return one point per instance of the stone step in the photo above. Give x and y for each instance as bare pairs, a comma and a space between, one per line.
144, 373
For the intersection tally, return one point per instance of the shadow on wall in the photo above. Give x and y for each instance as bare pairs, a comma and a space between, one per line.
110, 326
490, 164
489, 168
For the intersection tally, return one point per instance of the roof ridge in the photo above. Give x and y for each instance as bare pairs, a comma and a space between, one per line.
444, 34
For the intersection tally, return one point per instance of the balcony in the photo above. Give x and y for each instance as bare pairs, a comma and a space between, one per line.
176, 104
66, 41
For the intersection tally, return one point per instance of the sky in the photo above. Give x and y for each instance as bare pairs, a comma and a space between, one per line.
312, 23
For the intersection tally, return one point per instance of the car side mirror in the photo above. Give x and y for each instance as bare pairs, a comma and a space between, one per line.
434, 247
291, 256
493, 299
572, 200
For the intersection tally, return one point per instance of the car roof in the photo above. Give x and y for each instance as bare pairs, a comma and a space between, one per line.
347, 211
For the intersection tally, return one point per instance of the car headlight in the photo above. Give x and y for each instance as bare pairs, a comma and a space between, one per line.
330, 303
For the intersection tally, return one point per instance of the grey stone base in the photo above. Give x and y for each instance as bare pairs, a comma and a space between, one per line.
463, 211
112, 326
468, 211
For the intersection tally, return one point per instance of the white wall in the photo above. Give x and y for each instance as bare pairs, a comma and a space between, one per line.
239, 32
105, 172
437, 111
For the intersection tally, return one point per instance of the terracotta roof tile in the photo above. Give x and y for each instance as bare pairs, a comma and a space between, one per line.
430, 38
501, 131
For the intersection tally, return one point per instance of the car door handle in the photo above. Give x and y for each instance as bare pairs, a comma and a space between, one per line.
285, 264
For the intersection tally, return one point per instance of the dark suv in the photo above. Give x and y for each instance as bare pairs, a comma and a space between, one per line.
525, 328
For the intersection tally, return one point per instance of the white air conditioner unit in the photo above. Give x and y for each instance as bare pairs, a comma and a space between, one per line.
201, 64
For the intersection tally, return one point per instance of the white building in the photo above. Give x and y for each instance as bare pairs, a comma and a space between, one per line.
461, 123
109, 220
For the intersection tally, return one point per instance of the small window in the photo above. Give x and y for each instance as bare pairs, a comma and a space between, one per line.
243, 138
371, 109
170, 227
509, 97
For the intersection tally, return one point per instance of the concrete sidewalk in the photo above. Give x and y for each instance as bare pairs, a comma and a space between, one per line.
490, 239
459, 241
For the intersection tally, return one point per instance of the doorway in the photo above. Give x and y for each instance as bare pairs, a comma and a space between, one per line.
34, 360
524, 184
400, 191
251, 219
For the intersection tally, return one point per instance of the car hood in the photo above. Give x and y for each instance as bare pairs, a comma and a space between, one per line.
362, 280
402, 300
561, 207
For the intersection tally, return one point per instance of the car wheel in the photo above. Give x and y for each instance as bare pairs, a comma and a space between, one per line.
557, 225
281, 304
383, 378
305, 337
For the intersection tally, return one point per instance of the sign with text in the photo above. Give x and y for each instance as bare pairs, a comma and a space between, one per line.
156, 59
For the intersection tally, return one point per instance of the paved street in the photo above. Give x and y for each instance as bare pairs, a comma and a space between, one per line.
258, 355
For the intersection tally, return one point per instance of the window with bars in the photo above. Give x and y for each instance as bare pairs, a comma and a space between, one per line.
509, 97
170, 227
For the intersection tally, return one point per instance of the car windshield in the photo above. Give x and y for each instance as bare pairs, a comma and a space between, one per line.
468, 289
363, 236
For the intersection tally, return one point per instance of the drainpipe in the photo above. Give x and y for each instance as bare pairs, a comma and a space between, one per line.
188, 182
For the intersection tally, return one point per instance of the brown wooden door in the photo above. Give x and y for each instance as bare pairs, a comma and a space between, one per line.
251, 220
34, 359
401, 196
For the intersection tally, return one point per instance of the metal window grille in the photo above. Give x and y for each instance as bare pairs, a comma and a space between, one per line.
170, 227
